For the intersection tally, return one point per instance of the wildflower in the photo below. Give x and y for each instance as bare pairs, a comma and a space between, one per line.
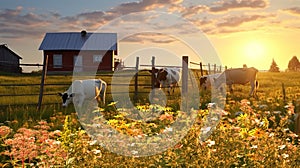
112, 103
244, 132
281, 147
242, 117
285, 155
245, 102
205, 130
256, 133
276, 112
4, 131
95, 151
263, 106
265, 123
286, 130
134, 152
94, 142
224, 126
271, 134
166, 117
253, 147
168, 109
168, 129
178, 146
293, 135
211, 105
210, 143
290, 108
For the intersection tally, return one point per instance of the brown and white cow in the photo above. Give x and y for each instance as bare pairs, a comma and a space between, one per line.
238, 76
81, 90
167, 77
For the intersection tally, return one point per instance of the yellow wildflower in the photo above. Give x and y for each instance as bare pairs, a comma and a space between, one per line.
256, 133
244, 132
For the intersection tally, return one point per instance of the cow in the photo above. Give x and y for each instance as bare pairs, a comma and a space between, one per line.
167, 77
238, 76
81, 90
206, 80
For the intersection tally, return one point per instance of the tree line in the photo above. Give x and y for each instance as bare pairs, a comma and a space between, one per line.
293, 66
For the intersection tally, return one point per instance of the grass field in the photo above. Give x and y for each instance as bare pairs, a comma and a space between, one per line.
260, 135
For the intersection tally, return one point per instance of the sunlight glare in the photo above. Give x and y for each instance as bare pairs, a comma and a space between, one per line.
254, 49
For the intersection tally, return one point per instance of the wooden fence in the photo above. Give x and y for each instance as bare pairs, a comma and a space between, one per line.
136, 85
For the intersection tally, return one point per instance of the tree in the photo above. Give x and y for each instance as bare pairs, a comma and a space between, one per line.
274, 67
294, 64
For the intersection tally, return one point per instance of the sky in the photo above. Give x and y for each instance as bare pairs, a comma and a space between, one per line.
223, 32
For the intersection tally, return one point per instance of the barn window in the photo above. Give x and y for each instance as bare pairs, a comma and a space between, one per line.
97, 58
57, 61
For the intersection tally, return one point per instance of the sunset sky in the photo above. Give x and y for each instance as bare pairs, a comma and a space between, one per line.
238, 32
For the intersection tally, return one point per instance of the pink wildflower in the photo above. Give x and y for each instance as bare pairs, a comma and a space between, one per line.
4, 131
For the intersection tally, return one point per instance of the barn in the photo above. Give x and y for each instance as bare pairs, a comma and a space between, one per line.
9, 60
85, 51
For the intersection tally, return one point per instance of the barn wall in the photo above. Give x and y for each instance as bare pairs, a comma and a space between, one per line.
8, 61
87, 56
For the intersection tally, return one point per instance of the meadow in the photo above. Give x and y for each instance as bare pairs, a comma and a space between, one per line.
253, 131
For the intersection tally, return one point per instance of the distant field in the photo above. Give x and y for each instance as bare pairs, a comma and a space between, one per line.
270, 85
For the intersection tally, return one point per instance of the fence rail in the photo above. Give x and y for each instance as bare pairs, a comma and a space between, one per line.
135, 85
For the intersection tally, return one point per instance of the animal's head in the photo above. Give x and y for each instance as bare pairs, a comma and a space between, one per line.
159, 75
66, 98
203, 81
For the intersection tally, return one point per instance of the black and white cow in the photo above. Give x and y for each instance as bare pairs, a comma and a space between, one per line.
206, 80
81, 90
167, 77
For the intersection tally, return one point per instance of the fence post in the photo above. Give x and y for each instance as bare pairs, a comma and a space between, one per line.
136, 79
201, 68
209, 72
153, 72
153, 77
185, 70
45, 65
215, 68
283, 92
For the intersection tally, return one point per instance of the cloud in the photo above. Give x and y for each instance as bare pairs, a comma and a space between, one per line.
156, 38
235, 21
144, 5
17, 25
194, 10
226, 5
293, 11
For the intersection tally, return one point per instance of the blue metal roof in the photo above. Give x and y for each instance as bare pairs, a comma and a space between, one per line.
75, 41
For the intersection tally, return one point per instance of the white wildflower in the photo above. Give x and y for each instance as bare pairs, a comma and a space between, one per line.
254, 147
281, 147
285, 155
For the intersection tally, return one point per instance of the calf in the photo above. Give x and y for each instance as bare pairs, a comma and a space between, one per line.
81, 90
167, 77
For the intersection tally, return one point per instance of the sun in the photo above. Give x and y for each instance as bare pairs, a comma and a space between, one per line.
254, 49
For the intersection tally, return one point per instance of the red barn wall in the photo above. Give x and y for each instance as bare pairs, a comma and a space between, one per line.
87, 60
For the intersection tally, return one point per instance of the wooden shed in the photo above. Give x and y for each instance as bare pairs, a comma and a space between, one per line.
82, 50
9, 60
